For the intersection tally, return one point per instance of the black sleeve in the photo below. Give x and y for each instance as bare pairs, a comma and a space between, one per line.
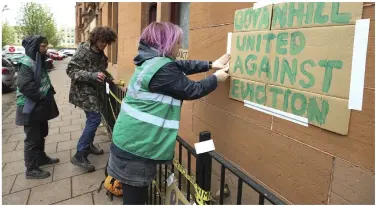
25, 83
193, 66
171, 81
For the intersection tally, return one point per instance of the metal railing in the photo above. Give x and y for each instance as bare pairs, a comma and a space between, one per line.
203, 174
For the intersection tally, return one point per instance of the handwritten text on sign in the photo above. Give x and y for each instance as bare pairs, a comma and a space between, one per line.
304, 71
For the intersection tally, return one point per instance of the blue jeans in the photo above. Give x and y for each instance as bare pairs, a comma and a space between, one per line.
93, 121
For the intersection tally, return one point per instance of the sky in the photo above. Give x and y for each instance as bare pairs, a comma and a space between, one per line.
63, 11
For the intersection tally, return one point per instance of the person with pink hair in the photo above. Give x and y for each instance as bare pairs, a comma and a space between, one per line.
145, 131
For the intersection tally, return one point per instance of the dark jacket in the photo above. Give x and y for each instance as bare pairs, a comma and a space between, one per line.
46, 107
86, 92
171, 80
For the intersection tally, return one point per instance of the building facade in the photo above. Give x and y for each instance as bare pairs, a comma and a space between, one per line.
68, 37
302, 165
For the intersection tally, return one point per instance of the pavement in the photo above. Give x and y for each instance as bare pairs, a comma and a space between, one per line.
68, 184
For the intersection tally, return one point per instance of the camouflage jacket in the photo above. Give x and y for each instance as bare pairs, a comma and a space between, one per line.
86, 92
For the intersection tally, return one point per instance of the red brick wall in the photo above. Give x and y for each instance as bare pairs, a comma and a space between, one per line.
303, 165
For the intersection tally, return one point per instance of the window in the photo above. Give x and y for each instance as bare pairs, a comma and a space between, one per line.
152, 12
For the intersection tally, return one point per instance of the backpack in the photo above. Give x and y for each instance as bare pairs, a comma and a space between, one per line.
112, 185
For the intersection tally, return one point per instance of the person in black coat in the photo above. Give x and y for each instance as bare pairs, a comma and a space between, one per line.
35, 105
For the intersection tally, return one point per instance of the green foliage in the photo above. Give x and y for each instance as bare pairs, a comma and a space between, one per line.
35, 19
8, 34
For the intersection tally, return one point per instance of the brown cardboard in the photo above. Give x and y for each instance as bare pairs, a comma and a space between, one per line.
252, 91
247, 52
315, 14
250, 19
321, 44
311, 106
220, 98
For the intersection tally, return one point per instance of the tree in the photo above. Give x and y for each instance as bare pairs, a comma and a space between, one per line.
35, 19
56, 39
8, 34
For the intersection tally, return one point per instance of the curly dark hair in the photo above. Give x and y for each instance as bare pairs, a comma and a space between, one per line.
102, 33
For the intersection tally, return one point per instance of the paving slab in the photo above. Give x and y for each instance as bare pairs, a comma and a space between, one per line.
13, 168
60, 123
22, 183
18, 198
7, 184
70, 128
105, 146
58, 138
85, 199
48, 148
13, 156
16, 137
8, 147
88, 182
102, 199
66, 170
67, 145
51, 193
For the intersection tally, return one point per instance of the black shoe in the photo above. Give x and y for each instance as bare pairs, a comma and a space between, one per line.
80, 160
48, 161
94, 150
37, 174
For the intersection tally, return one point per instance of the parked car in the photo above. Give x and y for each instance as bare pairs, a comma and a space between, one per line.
68, 52
49, 64
9, 75
63, 55
54, 55
8, 49
14, 59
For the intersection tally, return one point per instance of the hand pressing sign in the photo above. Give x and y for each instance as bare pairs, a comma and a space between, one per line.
222, 62
222, 74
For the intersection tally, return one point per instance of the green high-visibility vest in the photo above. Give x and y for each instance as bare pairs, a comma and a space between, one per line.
148, 123
45, 80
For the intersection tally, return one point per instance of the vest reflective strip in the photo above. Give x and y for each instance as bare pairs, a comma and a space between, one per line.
148, 118
153, 97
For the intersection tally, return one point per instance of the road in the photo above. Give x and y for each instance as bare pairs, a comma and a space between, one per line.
9, 99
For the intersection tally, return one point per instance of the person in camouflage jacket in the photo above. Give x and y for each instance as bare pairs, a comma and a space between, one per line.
87, 70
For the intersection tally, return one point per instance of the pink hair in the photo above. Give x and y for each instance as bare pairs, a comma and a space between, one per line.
162, 36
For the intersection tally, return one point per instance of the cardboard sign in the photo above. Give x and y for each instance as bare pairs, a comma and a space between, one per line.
174, 196
315, 14
182, 55
301, 65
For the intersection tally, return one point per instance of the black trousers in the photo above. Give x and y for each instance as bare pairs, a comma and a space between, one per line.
134, 195
34, 143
